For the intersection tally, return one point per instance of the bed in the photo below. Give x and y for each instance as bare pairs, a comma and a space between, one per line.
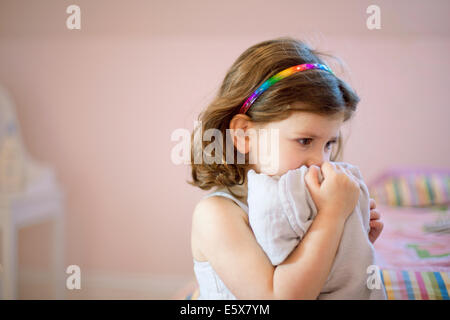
413, 251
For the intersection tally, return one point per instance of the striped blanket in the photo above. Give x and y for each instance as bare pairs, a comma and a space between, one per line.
416, 285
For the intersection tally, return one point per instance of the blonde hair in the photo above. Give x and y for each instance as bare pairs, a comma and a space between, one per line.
318, 91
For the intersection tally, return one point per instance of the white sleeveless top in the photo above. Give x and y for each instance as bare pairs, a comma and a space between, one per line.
210, 285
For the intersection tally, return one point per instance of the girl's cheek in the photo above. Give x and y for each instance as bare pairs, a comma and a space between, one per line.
290, 160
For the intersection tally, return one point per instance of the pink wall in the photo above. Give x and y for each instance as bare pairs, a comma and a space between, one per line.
100, 104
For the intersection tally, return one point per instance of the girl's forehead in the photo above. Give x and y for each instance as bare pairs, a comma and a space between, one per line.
313, 121
308, 124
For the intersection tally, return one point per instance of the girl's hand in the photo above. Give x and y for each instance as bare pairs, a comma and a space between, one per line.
376, 225
338, 193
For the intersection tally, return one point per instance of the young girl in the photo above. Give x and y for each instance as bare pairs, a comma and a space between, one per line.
306, 104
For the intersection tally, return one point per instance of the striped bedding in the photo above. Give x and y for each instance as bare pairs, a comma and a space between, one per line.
416, 285
412, 187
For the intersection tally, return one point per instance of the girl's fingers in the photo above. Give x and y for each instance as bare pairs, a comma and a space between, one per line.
376, 225
312, 178
373, 205
332, 166
327, 168
374, 214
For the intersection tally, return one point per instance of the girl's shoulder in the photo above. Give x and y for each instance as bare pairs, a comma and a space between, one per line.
218, 205
210, 215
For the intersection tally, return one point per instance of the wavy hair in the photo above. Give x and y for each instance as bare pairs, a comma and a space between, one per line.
318, 91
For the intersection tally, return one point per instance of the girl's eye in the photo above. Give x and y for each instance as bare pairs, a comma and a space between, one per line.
330, 142
307, 141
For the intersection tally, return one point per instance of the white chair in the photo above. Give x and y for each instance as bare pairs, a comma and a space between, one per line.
29, 194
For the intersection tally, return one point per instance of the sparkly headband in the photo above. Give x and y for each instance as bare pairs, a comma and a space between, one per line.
280, 75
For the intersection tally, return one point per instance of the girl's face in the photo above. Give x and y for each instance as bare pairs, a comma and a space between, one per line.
304, 138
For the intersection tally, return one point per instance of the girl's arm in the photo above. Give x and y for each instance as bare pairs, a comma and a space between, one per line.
303, 274
230, 246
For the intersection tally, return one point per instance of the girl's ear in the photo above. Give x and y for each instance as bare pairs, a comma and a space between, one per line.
241, 127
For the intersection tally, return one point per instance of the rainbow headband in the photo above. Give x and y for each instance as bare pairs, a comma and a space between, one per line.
280, 75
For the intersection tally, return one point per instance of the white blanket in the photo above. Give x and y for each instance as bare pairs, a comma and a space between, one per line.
280, 212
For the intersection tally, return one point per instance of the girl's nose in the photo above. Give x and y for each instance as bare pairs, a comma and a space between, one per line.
315, 163
317, 160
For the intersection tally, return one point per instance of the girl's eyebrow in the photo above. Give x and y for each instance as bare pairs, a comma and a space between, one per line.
310, 135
